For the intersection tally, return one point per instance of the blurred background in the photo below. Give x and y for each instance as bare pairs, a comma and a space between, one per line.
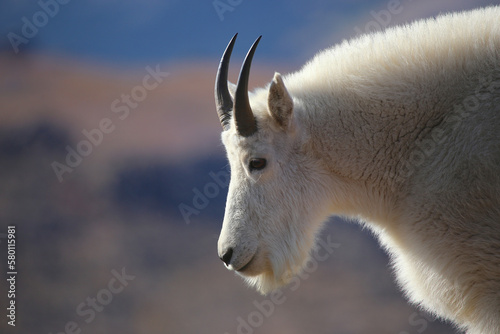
112, 170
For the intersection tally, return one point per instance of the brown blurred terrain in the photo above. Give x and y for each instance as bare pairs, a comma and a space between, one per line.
118, 211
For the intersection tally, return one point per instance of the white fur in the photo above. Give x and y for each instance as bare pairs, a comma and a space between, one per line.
400, 130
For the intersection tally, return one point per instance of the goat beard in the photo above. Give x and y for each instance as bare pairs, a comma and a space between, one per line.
284, 267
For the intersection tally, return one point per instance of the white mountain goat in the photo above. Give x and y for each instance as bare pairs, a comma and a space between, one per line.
400, 130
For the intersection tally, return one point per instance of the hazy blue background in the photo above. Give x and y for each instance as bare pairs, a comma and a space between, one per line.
120, 205
133, 31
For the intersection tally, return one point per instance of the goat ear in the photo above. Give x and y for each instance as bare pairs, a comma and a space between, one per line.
279, 102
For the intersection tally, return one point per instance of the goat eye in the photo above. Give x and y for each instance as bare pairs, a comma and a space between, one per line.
257, 164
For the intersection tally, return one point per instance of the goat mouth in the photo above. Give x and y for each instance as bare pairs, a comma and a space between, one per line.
246, 266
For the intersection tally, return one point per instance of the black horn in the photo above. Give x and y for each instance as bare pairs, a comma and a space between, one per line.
223, 100
243, 115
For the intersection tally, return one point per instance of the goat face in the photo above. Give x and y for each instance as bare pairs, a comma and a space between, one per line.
274, 193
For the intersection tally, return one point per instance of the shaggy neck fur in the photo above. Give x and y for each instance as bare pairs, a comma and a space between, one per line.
359, 98
385, 113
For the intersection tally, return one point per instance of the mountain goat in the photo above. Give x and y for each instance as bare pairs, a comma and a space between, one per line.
400, 130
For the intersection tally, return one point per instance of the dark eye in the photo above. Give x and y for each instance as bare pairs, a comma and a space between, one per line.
257, 164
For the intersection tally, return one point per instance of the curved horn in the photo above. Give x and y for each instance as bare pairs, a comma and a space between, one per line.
223, 100
243, 115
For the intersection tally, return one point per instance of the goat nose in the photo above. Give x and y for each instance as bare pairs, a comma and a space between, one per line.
226, 257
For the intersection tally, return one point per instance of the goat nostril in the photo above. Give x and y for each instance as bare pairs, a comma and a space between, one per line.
226, 258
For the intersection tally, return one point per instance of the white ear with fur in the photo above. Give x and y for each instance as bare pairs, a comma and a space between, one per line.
279, 102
